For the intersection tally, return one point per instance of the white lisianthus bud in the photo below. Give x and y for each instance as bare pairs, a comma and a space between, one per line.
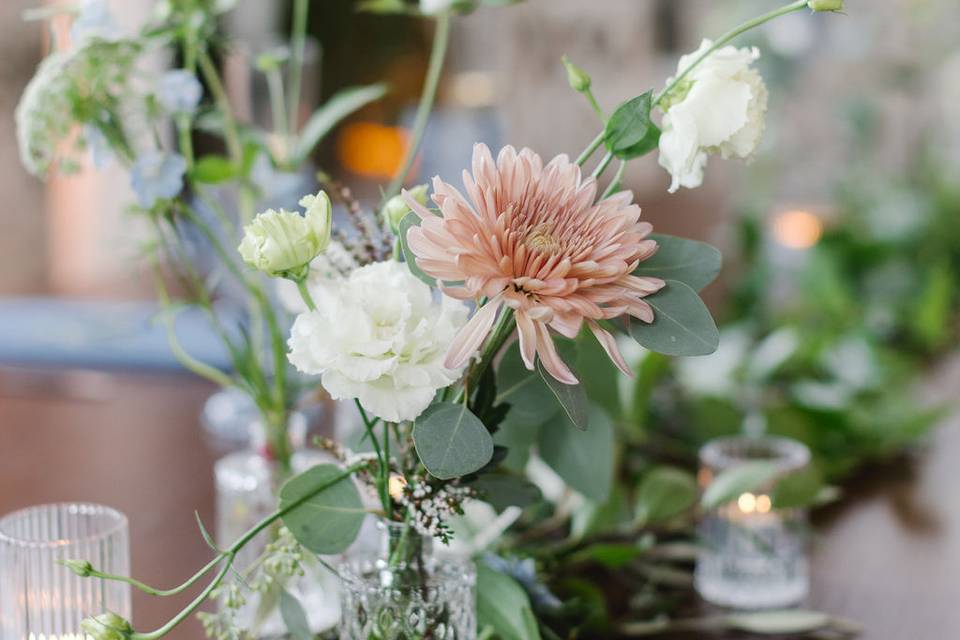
396, 209
82, 568
282, 243
107, 626
826, 5
719, 107
578, 78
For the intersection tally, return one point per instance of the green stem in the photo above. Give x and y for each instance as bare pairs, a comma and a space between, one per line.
305, 294
607, 159
596, 106
241, 542
441, 39
298, 42
498, 336
593, 146
278, 110
159, 592
388, 507
382, 476
231, 134
615, 183
726, 38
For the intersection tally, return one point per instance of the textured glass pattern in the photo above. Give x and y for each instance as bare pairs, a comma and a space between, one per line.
384, 603
41, 600
752, 556
247, 486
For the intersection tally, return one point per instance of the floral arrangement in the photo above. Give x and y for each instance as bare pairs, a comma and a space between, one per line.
411, 311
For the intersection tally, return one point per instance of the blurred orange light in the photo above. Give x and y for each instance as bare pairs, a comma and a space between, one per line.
797, 229
372, 150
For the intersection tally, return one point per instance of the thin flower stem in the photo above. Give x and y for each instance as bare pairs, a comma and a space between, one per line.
607, 159
593, 146
596, 105
278, 109
382, 463
298, 43
498, 337
305, 294
160, 592
615, 183
212, 76
441, 39
726, 38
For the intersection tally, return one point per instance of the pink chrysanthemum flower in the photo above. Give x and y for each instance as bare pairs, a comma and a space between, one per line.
532, 238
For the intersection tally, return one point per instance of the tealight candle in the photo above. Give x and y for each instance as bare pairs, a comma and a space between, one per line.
751, 555
39, 598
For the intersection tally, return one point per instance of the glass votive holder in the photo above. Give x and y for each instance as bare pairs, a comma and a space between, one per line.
752, 556
43, 600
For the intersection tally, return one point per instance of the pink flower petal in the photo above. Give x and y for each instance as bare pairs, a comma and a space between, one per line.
470, 338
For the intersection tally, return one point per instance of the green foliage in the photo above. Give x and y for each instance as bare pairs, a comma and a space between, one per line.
213, 169
693, 263
682, 324
572, 397
328, 522
503, 605
451, 441
664, 492
294, 617
586, 460
412, 220
504, 490
326, 117
630, 132
799, 489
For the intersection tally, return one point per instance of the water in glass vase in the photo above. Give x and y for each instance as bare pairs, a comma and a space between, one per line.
407, 592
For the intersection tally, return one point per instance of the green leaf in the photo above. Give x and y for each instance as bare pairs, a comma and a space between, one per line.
584, 459
572, 397
779, 622
799, 489
504, 490
325, 118
294, 617
693, 263
729, 484
518, 437
930, 318
451, 441
531, 401
602, 385
328, 522
504, 605
412, 220
664, 492
630, 132
213, 169
682, 324
610, 555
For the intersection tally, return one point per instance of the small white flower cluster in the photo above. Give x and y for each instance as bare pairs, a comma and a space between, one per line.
282, 560
431, 507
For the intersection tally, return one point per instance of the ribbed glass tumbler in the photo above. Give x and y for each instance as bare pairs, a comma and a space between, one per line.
39, 598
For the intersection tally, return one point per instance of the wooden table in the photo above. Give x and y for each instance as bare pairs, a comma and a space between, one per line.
888, 556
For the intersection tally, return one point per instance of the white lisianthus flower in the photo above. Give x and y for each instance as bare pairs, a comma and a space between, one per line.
283, 243
379, 337
433, 7
719, 107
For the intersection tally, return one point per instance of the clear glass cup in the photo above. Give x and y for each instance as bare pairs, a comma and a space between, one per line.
40, 599
752, 556
407, 591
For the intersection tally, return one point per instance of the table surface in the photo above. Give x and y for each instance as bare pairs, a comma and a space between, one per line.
887, 556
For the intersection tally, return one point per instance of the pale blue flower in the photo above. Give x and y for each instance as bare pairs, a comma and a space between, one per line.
98, 146
93, 21
179, 91
157, 175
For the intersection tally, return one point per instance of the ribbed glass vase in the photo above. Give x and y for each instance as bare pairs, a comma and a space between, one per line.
39, 598
407, 592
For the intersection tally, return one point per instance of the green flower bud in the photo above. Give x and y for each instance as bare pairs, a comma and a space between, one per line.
578, 78
283, 243
396, 209
107, 626
826, 5
80, 567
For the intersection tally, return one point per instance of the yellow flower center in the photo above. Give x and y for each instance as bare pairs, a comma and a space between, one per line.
541, 240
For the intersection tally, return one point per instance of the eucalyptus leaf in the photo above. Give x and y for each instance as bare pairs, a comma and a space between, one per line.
504, 490
328, 522
584, 459
572, 397
531, 401
743, 478
798, 489
451, 441
664, 492
294, 617
325, 118
213, 169
409, 221
682, 324
691, 262
779, 622
630, 132
504, 605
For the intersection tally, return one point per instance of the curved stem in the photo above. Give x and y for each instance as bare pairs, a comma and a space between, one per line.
298, 42
441, 39
725, 39
305, 294
593, 146
615, 183
607, 159
190, 608
160, 592
231, 134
